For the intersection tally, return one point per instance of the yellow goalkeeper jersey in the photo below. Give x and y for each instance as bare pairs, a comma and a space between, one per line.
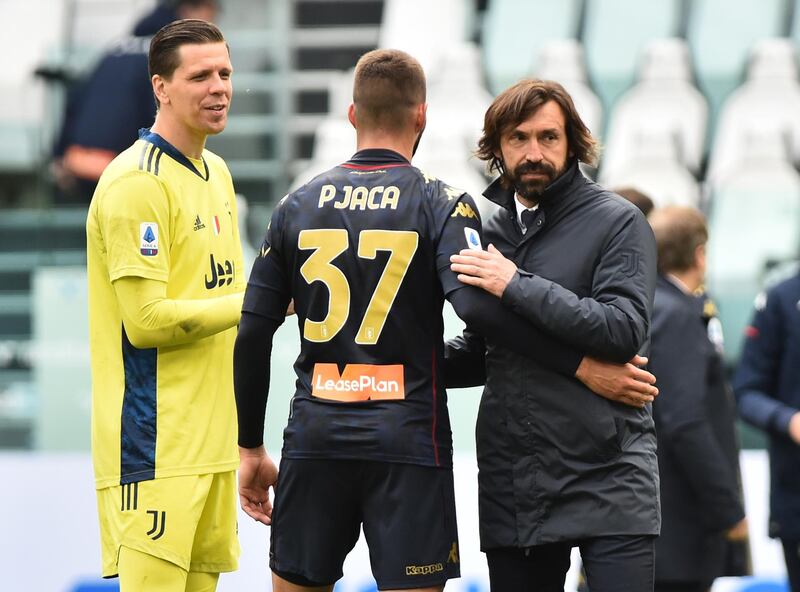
170, 410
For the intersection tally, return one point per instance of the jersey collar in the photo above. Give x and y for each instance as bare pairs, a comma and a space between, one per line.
176, 155
376, 158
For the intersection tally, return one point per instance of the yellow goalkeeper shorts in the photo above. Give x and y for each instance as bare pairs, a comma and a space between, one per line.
188, 520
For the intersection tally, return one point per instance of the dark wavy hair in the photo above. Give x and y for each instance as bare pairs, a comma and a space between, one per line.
516, 104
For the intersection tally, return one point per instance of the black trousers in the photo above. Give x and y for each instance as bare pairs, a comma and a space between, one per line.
612, 564
683, 587
791, 552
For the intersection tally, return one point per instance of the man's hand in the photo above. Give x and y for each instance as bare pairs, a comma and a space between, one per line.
623, 383
487, 270
794, 427
739, 531
257, 473
290, 309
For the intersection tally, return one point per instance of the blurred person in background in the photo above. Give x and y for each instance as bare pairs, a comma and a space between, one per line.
559, 466
637, 198
105, 111
767, 387
698, 451
165, 293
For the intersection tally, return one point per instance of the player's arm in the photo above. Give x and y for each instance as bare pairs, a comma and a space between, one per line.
612, 323
756, 380
486, 315
251, 375
153, 320
263, 311
136, 223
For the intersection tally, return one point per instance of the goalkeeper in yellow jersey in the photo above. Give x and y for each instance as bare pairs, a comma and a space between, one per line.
165, 293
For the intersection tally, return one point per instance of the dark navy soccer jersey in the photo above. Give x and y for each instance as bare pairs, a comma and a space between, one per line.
364, 249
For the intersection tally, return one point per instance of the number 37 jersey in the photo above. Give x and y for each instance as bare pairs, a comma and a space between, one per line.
364, 250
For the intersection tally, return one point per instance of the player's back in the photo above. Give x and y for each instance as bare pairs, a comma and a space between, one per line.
360, 248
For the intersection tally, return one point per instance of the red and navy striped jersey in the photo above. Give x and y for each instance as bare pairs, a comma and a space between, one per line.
364, 250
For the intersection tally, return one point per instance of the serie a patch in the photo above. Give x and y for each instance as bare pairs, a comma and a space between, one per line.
148, 231
473, 238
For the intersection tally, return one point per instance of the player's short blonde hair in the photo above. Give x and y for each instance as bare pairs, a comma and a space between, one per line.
388, 85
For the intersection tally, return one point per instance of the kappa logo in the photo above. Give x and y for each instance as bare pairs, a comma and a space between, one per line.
148, 231
423, 570
159, 524
452, 557
358, 382
198, 224
221, 275
465, 210
452, 193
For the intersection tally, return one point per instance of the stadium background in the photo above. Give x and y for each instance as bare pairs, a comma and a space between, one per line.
695, 101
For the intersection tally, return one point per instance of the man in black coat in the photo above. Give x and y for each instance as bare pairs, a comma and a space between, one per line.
559, 465
698, 452
767, 386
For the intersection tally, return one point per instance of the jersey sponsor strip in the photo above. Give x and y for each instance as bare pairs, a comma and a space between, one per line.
358, 382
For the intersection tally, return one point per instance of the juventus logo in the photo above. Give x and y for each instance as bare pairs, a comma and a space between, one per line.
130, 496
159, 523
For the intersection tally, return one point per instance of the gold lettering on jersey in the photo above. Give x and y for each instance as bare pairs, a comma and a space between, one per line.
358, 382
360, 197
465, 210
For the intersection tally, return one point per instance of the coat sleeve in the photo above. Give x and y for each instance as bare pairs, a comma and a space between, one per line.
613, 322
679, 359
755, 381
482, 312
465, 360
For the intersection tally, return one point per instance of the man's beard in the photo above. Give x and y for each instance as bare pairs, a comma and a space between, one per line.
534, 188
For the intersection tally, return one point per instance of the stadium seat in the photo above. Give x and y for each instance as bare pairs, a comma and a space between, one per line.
770, 99
663, 99
424, 28
630, 24
721, 33
754, 222
654, 168
794, 27
562, 60
515, 30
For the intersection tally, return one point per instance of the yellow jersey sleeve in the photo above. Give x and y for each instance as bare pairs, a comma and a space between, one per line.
153, 320
134, 219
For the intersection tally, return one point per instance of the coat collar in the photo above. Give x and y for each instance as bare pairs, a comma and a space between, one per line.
555, 197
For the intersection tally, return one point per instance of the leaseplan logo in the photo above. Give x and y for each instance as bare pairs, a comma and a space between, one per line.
358, 382
148, 231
